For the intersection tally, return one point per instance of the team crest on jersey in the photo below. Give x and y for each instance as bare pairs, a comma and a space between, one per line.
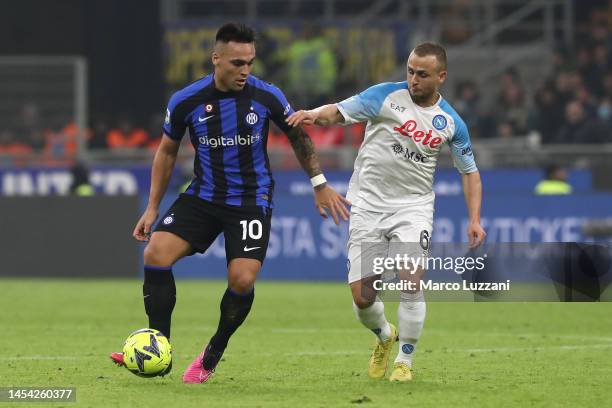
251, 118
208, 108
439, 122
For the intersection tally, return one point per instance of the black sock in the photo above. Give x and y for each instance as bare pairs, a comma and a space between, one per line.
159, 293
234, 309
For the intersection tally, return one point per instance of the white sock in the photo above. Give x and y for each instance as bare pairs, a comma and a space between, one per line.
373, 317
410, 316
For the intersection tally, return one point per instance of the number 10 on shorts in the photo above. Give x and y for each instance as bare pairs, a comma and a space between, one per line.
253, 228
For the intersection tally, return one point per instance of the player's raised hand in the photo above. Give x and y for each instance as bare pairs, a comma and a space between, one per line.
142, 231
306, 117
326, 198
476, 234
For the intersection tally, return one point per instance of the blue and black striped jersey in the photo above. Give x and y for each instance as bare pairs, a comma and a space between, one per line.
229, 132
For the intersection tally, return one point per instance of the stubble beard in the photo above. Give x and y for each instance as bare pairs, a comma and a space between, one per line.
419, 99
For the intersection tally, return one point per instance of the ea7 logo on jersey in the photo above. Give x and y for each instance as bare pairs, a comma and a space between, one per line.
397, 107
409, 129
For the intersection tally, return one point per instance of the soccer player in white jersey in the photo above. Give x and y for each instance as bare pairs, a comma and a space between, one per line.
391, 188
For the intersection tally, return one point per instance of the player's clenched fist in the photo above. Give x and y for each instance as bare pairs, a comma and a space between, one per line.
476, 234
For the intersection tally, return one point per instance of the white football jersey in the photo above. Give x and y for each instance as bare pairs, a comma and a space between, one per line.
397, 159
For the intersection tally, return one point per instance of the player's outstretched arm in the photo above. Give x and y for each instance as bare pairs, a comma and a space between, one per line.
322, 116
325, 196
163, 163
472, 190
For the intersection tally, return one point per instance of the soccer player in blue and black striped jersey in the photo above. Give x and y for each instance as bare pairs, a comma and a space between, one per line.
227, 114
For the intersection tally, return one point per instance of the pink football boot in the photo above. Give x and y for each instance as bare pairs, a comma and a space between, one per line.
196, 373
117, 359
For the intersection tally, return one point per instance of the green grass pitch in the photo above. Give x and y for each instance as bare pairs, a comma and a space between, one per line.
302, 347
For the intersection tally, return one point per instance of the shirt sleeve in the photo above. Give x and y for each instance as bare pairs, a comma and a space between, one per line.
365, 105
280, 109
461, 150
174, 123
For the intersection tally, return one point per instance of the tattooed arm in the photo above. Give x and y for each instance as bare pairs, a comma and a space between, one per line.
304, 151
325, 196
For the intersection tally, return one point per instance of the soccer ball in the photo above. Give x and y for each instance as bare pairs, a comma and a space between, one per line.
147, 353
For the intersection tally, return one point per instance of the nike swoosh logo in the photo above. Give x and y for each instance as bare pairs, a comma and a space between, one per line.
146, 296
247, 249
201, 119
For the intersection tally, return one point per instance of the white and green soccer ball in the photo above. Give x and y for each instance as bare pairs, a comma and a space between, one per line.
147, 353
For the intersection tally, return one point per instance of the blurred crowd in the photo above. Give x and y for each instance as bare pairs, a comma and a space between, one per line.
56, 142
573, 105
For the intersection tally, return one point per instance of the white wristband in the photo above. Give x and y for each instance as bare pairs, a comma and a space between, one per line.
318, 180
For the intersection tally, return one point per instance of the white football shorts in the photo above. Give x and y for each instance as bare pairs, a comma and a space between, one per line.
408, 230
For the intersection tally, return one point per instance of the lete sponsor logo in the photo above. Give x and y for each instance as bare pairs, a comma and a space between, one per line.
409, 129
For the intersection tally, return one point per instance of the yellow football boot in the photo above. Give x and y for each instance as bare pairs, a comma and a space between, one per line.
380, 355
401, 372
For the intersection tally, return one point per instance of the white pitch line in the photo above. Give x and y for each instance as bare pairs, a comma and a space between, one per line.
11, 358
323, 353
467, 350
547, 336
536, 348
348, 352
436, 331
313, 330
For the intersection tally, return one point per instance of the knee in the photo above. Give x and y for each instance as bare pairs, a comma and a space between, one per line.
363, 296
154, 256
241, 275
362, 302
242, 284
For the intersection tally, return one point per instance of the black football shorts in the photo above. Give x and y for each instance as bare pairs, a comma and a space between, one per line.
199, 222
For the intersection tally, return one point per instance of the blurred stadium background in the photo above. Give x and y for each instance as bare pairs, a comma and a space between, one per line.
86, 83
